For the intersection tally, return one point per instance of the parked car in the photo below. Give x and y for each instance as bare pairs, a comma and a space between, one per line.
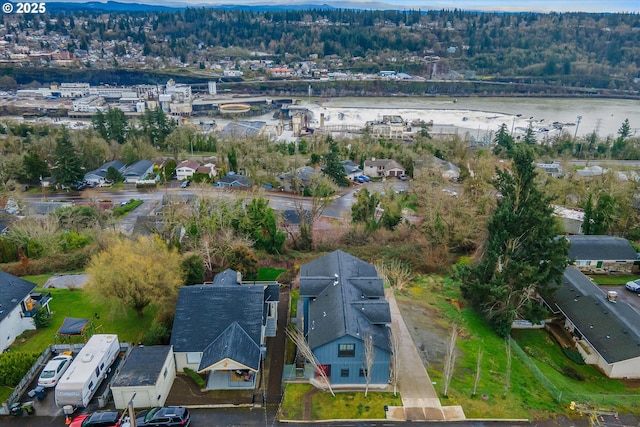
53, 370
633, 286
185, 184
403, 177
166, 416
364, 178
98, 419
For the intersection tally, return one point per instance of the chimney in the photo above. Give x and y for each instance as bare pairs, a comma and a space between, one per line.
239, 277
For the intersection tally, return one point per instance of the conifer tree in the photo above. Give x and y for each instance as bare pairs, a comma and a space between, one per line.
523, 254
66, 170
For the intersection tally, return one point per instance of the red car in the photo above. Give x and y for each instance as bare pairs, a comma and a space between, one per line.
98, 419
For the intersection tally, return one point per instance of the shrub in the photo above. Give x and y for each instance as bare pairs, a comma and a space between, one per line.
8, 251
573, 355
14, 365
195, 377
71, 240
42, 318
157, 334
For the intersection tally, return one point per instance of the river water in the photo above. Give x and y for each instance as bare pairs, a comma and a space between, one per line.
604, 116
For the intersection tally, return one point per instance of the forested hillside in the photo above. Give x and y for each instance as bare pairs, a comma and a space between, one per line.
568, 49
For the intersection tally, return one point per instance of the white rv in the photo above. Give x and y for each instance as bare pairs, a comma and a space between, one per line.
81, 380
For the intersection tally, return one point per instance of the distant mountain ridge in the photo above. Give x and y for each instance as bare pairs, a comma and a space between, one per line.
116, 6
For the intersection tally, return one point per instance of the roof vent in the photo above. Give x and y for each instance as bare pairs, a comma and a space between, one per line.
612, 296
87, 357
335, 281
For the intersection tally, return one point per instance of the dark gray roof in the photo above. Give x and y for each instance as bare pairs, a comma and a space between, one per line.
204, 312
143, 366
138, 168
272, 293
242, 129
350, 167
303, 173
102, 170
242, 180
602, 248
12, 291
226, 278
613, 329
346, 298
233, 343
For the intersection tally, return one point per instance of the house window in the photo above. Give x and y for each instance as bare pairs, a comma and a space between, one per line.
194, 358
344, 373
581, 263
363, 372
166, 371
346, 350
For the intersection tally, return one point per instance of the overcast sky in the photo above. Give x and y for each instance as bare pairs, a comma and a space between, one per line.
487, 5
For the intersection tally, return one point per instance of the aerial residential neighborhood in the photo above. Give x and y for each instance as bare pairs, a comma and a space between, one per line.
335, 214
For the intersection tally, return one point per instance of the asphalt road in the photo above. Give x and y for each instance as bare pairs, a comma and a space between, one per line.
242, 417
339, 207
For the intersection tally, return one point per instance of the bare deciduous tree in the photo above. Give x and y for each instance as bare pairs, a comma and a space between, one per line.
450, 359
478, 367
301, 343
396, 273
394, 343
507, 379
369, 355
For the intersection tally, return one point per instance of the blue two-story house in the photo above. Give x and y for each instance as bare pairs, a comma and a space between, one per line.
343, 302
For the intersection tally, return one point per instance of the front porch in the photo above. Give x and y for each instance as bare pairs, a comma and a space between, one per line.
232, 380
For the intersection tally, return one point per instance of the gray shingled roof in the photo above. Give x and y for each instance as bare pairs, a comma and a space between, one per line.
602, 248
138, 168
142, 367
233, 343
242, 129
345, 299
204, 312
229, 179
12, 291
613, 329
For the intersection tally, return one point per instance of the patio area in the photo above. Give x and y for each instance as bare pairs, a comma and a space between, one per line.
231, 380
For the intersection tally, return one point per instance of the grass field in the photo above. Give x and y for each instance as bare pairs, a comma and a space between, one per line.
605, 279
76, 303
520, 394
347, 405
268, 274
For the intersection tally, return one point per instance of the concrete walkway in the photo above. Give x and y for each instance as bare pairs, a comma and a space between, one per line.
419, 399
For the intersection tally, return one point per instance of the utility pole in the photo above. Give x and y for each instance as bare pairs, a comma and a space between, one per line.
132, 412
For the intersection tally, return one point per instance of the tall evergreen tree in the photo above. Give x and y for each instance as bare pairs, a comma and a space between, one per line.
66, 170
333, 168
523, 256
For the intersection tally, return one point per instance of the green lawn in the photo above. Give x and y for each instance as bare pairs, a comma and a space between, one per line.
268, 274
525, 397
75, 303
5, 392
324, 406
38, 279
605, 279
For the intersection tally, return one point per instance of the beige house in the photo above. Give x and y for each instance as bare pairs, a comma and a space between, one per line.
603, 254
383, 168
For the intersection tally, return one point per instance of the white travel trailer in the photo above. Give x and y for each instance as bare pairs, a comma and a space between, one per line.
81, 380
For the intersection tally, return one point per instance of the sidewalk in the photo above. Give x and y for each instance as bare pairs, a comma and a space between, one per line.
419, 399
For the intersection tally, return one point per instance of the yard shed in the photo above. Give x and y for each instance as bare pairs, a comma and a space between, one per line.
149, 373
